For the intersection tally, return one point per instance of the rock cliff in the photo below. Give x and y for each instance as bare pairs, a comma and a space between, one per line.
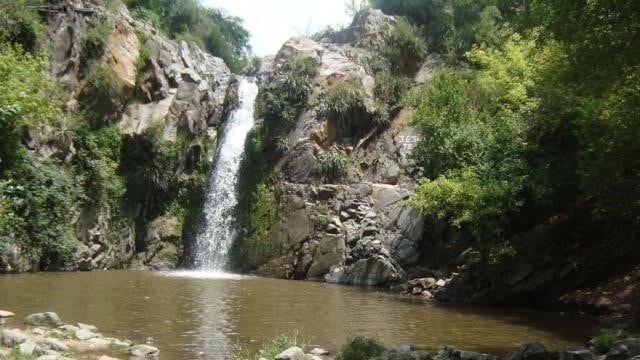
167, 85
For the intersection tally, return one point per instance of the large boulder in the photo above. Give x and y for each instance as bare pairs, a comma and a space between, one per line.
145, 352
449, 353
373, 271
48, 319
577, 353
330, 252
292, 353
530, 351
11, 338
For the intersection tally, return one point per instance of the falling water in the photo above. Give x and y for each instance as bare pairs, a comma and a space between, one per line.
217, 233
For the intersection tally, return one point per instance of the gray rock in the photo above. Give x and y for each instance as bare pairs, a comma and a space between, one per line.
52, 344
47, 319
12, 338
372, 271
68, 328
449, 353
319, 352
144, 352
91, 328
27, 347
85, 334
330, 252
530, 351
576, 353
624, 349
292, 353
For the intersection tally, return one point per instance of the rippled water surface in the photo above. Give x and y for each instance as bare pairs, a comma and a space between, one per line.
191, 312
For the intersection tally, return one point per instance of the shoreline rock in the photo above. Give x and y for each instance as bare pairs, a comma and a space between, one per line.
47, 337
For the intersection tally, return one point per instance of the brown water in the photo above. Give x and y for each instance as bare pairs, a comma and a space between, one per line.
187, 313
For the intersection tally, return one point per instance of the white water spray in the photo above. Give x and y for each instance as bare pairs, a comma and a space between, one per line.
217, 233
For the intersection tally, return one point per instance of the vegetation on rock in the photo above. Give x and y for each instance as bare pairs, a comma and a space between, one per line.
221, 34
332, 166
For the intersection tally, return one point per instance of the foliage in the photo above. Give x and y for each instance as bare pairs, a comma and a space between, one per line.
390, 88
20, 26
148, 161
280, 104
406, 46
332, 166
342, 100
16, 354
39, 198
95, 40
219, 33
97, 160
603, 341
354, 7
473, 148
144, 54
103, 96
273, 348
360, 348
453, 26
28, 99
258, 208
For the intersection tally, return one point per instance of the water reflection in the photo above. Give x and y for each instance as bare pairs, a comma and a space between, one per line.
189, 313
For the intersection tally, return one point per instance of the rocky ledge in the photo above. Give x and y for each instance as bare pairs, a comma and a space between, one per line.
46, 337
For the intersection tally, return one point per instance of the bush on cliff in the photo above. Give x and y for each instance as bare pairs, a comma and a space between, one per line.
103, 96
406, 47
95, 41
280, 104
219, 33
332, 167
20, 25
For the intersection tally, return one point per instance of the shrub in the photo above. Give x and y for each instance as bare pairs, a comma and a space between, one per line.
332, 166
361, 348
473, 148
603, 341
342, 100
41, 197
103, 96
406, 46
280, 105
28, 99
220, 34
95, 41
390, 88
97, 160
20, 25
273, 348
144, 54
149, 162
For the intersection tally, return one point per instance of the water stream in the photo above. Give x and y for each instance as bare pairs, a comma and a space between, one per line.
217, 233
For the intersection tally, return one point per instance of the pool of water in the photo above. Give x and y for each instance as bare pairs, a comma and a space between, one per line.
188, 313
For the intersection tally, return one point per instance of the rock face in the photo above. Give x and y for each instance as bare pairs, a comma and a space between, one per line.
356, 234
360, 233
180, 89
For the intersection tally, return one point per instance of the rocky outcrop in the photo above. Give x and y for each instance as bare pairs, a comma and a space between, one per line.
359, 233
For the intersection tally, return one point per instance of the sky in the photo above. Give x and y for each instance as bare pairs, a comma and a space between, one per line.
272, 22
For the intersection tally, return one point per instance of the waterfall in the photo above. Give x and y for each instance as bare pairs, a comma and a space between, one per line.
217, 232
